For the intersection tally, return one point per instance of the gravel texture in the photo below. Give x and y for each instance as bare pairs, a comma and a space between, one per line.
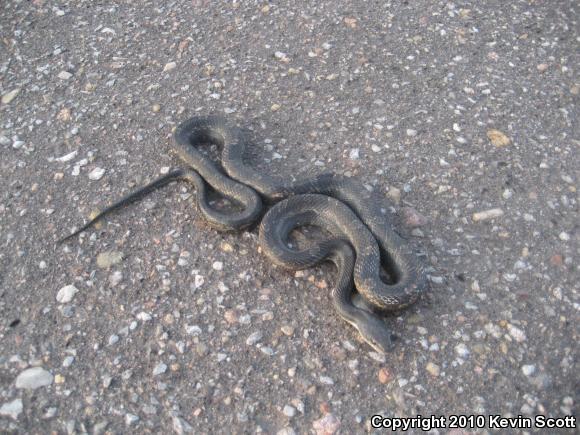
463, 115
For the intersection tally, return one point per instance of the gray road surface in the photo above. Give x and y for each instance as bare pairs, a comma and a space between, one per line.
155, 323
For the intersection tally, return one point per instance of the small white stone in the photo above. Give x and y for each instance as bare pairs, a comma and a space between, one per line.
68, 361
461, 350
143, 316
66, 294
517, 334
9, 96
169, 66
253, 338
564, 236
376, 148
217, 265
12, 409
115, 278
113, 339
198, 281
131, 419
193, 329
326, 380
267, 350
354, 154
96, 174
411, 132
507, 194
64, 75
34, 377
528, 369
289, 411
67, 157
378, 357
487, 214
159, 369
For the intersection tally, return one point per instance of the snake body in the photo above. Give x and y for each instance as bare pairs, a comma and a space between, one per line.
363, 240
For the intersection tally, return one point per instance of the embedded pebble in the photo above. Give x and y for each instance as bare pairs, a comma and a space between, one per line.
378, 357
327, 425
289, 411
433, 369
108, 259
180, 426
169, 66
115, 278
267, 350
253, 338
96, 174
143, 316
385, 376
287, 330
461, 350
326, 380
9, 96
487, 214
198, 281
64, 75
159, 369
517, 334
12, 409
193, 330
131, 419
66, 294
395, 194
217, 265
528, 369
564, 236
412, 218
34, 377
498, 138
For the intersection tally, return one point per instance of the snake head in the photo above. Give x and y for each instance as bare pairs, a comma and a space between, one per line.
374, 331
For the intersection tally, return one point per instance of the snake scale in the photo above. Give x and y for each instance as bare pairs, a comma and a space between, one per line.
362, 244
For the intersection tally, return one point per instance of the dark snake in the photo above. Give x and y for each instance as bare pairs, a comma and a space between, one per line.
363, 240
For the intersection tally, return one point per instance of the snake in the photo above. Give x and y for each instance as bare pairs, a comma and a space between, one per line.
363, 244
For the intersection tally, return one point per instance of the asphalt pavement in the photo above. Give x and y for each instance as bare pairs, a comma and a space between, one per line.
462, 115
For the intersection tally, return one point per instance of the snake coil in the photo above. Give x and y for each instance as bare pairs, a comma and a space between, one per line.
363, 241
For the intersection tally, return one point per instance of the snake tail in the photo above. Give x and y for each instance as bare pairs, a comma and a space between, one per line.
128, 199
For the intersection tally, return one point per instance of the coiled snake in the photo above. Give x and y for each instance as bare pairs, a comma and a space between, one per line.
363, 240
